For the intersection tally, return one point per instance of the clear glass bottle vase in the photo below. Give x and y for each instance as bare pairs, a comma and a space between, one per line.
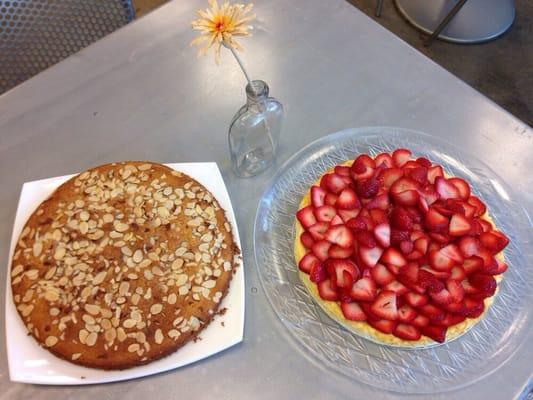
254, 131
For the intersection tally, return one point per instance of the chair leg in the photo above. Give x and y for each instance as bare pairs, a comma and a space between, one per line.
445, 22
379, 7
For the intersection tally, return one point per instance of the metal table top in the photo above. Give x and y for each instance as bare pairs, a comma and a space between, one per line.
140, 93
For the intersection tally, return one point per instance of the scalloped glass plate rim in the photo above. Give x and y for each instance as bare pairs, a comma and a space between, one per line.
360, 132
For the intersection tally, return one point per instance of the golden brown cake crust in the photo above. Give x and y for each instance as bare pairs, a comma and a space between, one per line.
122, 265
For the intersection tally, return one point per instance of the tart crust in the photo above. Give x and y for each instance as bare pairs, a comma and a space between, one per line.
361, 328
123, 264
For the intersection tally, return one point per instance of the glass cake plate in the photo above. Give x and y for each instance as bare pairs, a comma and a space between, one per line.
474, 355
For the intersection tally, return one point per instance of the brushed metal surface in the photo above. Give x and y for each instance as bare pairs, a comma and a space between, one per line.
478, 21
141, 93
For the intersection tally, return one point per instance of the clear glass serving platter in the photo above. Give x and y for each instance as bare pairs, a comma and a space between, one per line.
476, 354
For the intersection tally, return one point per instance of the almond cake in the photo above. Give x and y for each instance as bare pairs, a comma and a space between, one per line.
123, 264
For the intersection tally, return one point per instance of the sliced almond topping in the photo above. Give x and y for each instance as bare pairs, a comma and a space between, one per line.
129, 323
60, 253
17, 270
92, 309
156, 309
120, 226
32, 274
91, 339
158, 337
84, 215
99, 278
82, 336
75, 356
173, 333
138, 256
51, 341
132, 348
37, 249
144, 167
172, 298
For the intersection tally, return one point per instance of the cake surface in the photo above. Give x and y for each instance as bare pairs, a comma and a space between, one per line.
332, 306
123, 264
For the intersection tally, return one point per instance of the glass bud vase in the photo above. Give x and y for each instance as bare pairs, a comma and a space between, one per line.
254, 131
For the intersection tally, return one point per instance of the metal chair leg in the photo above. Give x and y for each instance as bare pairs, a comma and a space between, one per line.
444, 22
379, 7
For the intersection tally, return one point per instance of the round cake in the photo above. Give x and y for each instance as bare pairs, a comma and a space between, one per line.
392, 250
124, 264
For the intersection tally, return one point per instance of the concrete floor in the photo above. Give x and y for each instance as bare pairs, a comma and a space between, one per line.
502, 69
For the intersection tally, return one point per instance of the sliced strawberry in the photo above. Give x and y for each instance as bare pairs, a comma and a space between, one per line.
435, 221
429, 194
318, 230
357, 223
365, 239
420, 321
382, 325
384, 159
440, 260
342, 170
406, 198
486, 226
336, 221
416, 299
472, 264
368, 188
406, 246
306, 217
340, 235
348, 200
362, 168
407, 332
441, 297
381, 274
408, 274
321, 249
450, 320
480, 206
418, 174
307, 240
473, 308
340, 252
385, 305
370, 256
462, 187
317, 196
396, 287
363, 289
489, 261
406, 313
446, 189
494, 241
393, 268
382, 234
401, 219
468, 288
397, 236
347, 215
432, 312
325, 213
330, 199
484, 283
390, 175
378, 216
327, 291
435, 172
307, 262
429, 281
458, 273
380, 201
501, 267
345, 272
353, 312
421, 244
318, 273
394, 257
334, 183
459, 225
437, 333
455, 289
438, 274
424, 162
455, 308
400, 157
469, 246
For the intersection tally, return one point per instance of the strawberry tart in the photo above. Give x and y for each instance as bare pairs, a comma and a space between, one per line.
397, 251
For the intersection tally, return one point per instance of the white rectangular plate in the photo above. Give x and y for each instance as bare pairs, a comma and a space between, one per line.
30, 363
